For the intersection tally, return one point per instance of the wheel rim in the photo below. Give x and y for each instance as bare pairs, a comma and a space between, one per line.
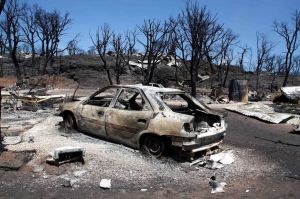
154, 146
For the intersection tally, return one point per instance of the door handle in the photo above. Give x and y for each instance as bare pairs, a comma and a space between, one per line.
100, 113
141, 121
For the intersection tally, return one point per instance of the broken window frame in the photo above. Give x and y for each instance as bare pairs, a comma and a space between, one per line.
138, 92
86, 102
189, 99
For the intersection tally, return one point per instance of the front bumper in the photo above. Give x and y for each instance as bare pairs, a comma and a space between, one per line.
202, 141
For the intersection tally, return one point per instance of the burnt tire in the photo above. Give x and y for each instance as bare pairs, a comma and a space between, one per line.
69, 121
153, 145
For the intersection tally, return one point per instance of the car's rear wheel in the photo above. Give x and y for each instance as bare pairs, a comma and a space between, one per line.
153, 145
69, 121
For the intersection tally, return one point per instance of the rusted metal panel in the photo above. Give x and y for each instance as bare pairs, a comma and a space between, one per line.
292, 92
261, 111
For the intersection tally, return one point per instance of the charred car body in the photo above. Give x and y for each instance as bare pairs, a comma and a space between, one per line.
147, 117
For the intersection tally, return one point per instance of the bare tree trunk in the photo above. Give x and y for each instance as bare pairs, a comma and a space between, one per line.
194, 75
226, 75
286, 77
17, 66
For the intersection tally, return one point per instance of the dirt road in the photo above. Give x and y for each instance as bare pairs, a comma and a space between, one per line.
267, 165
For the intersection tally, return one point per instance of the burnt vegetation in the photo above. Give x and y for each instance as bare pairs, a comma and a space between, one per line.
180, 49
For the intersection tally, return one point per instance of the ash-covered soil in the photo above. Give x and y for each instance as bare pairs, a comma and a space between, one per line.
254, 171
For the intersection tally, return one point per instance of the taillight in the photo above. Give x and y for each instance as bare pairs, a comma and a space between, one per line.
187, 127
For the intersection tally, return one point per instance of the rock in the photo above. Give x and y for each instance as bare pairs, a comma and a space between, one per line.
105, 183
11, 140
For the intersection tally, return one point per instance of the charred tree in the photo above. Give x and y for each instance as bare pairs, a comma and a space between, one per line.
290, 36
51, 27
10, 24
101, 41
154, 44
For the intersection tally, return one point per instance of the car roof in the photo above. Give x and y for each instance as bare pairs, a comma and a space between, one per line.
151, 89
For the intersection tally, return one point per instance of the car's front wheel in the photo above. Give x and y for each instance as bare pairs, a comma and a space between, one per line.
69, 121
153, 145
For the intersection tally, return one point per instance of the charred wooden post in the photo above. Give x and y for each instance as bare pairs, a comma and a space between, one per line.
238, 90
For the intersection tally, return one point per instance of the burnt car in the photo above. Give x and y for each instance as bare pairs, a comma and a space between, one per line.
147, 117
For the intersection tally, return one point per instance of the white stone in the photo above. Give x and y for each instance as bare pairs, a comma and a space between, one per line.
105, 183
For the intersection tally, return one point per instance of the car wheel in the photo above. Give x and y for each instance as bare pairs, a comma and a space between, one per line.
69, 122
153, 145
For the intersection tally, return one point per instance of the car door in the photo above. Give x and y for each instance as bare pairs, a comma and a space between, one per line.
129, 115
92, 112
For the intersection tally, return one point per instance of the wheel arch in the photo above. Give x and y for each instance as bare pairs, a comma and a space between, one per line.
69, 112
143, 135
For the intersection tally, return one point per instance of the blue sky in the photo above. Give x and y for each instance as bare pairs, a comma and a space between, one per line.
244, 17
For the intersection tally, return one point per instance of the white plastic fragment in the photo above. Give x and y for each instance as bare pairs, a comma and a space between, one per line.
143, 190
105, 183
224, 157
11, 140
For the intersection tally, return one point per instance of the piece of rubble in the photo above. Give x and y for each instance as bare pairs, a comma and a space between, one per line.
30, 139
12, 140
66, 154
213, 165
224, 157
105, 183
216, 187
67, 182
79, 173
297, 129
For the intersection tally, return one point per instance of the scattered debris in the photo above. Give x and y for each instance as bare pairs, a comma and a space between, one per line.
30, 139
79, 173
225, 157
12, 160
67, 182
217, 187
105, 183
66, 154
12, 140
215, 161
292, 92
223, 99
209, 164
261, 111
298, 128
